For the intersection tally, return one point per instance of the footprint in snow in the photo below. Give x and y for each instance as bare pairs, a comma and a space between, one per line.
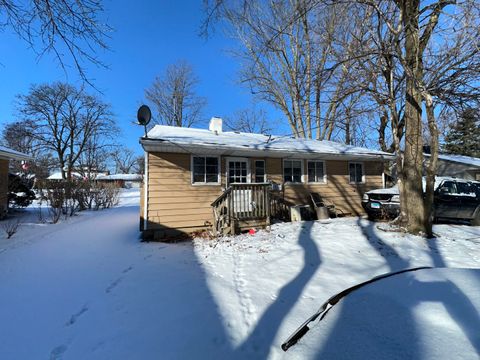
113, 285
56, 353
130, 268
74, 317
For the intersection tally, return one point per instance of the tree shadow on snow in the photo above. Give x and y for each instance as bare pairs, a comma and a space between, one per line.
462, 304
261, 338
382, 340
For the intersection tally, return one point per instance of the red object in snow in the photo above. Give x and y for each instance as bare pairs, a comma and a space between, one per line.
252, 231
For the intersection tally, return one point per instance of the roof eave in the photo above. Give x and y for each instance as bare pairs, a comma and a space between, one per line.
14, 156
159, 145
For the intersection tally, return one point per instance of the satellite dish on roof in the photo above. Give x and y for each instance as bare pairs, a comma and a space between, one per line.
144, 115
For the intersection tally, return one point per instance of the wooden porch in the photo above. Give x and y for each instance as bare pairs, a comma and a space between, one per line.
243, 206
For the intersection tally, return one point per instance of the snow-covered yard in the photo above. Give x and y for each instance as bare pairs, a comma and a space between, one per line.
87, 288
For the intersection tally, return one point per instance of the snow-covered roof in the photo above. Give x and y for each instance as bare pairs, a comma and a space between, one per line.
10, 154
189, 140
58, 176
467, 160
125, 177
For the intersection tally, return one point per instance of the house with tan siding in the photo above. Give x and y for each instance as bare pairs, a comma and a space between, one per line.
198, 179
5, 156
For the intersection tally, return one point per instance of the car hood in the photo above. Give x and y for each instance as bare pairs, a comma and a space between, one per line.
424, 314
394, 189
388, 191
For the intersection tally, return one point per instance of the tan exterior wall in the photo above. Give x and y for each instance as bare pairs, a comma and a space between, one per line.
175, 204
347, 197
3, 186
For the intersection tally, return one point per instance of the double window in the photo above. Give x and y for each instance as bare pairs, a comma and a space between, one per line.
356, 172
292, 171
206, 170
316, 172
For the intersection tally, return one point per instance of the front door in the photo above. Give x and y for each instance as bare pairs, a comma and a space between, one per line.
238, 172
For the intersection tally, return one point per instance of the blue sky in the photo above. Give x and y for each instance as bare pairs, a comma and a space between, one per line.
148, 36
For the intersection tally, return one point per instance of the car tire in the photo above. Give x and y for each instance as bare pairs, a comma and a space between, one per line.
476, 219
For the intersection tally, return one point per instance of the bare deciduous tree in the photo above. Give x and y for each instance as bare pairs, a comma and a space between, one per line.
139, 166
249, 121
289, 58
173, 95
409, 61
125, 160
16, 136
59, 26
438, 52
94, 158
65, 120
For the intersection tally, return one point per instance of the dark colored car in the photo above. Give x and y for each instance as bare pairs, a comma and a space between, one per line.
454, 199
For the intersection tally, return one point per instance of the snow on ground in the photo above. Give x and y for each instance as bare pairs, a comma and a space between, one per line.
88, 288
269, 284
427, 314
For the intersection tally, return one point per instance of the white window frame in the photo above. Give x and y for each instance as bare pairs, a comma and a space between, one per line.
363, 172
302, 177
227, 168
324, 172
264, 169
219, 173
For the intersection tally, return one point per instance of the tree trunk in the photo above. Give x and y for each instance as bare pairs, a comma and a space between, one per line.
432, 165
413, 157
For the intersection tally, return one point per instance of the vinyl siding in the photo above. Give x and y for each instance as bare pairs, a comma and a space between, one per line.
174, 203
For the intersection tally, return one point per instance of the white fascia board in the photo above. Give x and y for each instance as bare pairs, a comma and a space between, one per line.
7, 155
151, 145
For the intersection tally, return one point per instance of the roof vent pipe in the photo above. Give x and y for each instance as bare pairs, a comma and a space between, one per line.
215, 125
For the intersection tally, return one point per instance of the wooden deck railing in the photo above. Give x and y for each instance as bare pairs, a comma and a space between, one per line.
280, 208
247, 204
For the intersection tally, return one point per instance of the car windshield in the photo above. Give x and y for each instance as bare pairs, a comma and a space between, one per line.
448, 187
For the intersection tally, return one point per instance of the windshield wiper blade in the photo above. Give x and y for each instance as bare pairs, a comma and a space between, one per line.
333, 300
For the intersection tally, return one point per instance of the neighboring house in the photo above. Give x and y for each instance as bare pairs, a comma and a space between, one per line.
187, 170
5, 156
122, 180
459, 166
57, 175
